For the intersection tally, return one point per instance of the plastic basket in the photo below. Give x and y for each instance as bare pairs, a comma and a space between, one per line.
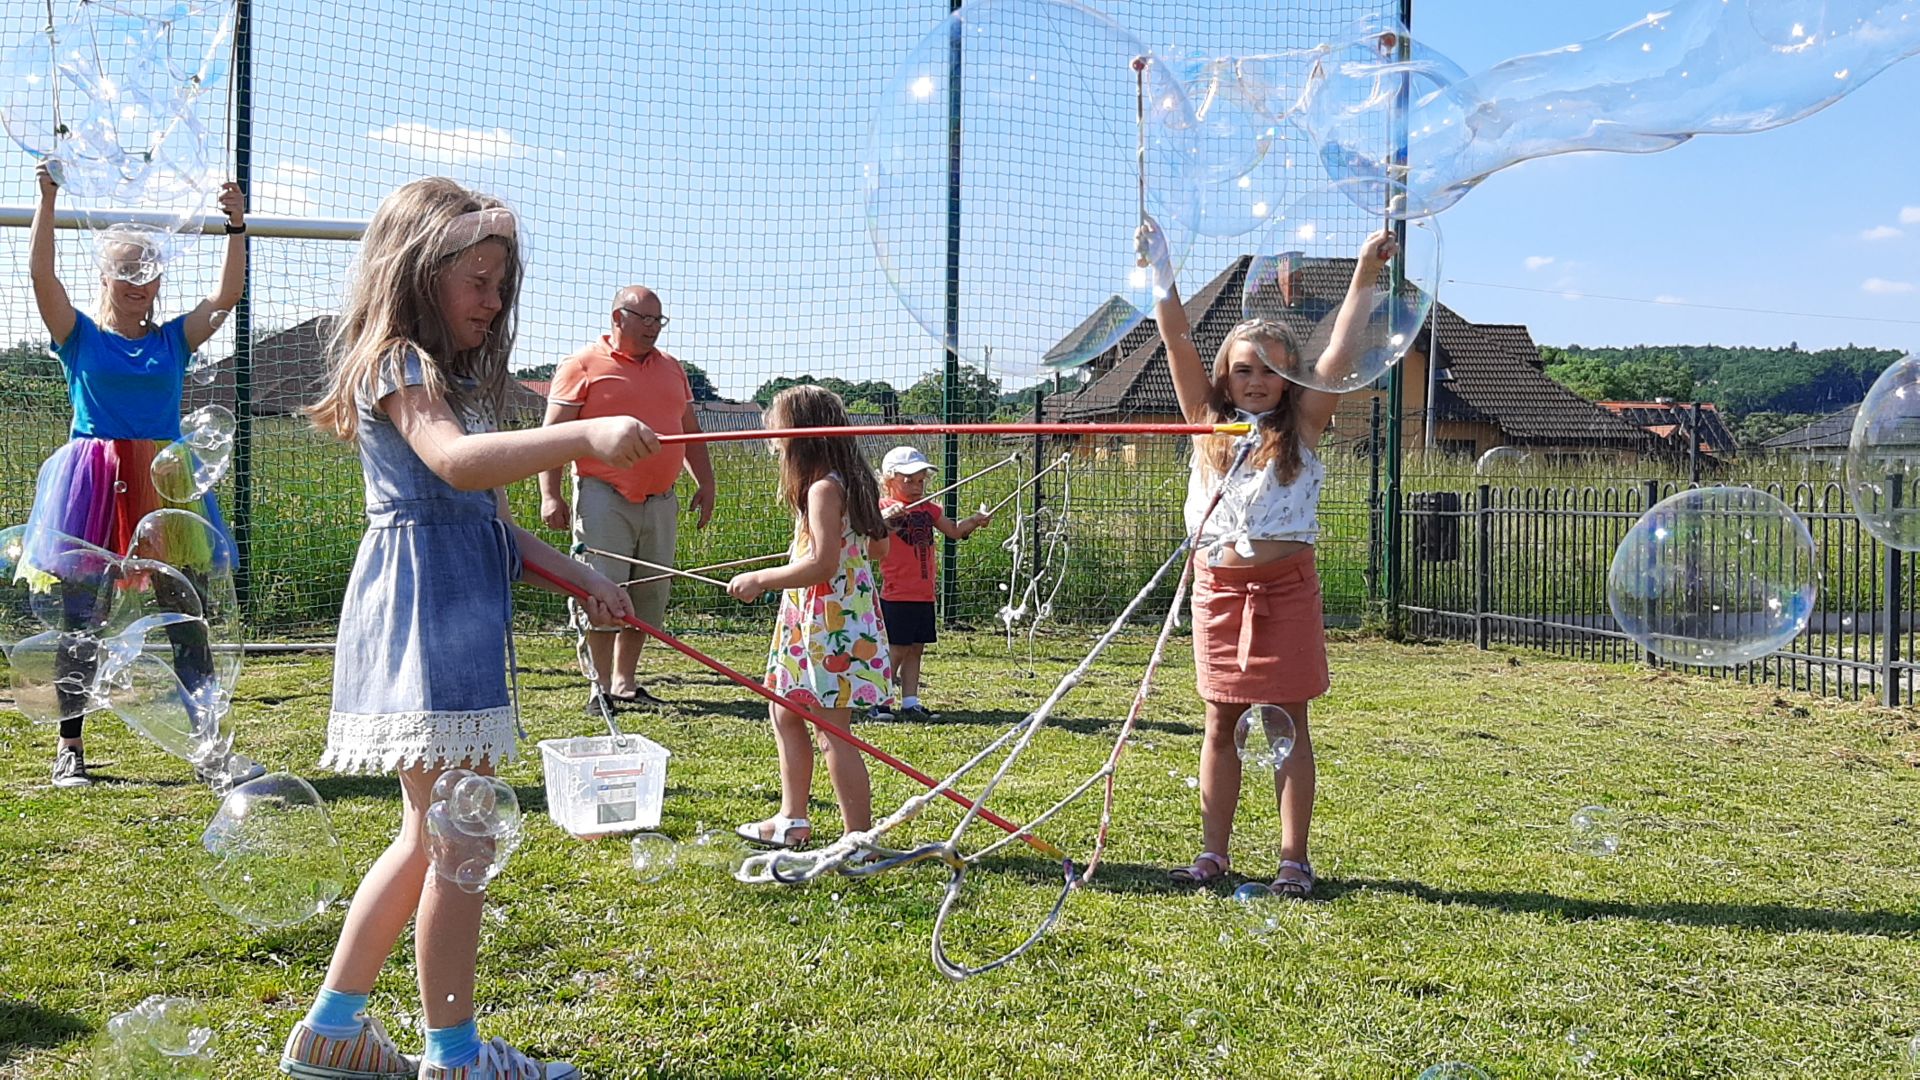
601, 784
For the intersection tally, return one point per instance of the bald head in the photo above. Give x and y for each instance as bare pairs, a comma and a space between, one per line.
637, 319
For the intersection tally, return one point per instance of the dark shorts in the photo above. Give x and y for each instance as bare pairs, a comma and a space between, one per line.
909, 622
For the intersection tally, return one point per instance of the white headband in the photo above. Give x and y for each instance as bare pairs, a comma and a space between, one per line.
470, 228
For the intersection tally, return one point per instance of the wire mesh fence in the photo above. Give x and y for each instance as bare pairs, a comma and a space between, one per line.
710, 151
1526, 564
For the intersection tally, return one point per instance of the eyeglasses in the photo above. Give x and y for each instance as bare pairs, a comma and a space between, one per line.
647, 320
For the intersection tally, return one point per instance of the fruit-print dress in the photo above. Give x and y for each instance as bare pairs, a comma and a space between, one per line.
830, 644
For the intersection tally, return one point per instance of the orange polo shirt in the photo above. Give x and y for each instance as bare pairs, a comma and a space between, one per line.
652, 389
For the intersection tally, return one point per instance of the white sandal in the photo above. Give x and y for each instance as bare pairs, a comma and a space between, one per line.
764, 833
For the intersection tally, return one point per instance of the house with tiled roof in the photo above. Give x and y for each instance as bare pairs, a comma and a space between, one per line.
289, 371
1670, 421
1825, 439
1491, 388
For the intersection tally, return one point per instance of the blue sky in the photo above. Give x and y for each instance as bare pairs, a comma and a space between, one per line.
713, 150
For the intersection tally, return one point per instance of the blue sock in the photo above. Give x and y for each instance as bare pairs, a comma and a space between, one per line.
451, 1047
336, 1015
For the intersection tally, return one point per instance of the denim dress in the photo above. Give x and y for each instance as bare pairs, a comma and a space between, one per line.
421, 664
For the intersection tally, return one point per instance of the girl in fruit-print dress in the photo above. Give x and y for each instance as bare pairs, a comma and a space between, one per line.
829, 651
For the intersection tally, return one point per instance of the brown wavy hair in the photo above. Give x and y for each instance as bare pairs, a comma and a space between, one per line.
803, 462
391, 309
1280, 429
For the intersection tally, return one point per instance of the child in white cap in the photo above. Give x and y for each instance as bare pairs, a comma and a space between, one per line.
908, 572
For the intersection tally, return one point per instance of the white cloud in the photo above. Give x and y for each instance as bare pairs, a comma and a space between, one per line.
1910, 215
1883, 287
1669, 298
286, 189
449, 145
1539, 262
1880, 232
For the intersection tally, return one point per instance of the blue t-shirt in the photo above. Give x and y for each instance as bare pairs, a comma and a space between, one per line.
125, 388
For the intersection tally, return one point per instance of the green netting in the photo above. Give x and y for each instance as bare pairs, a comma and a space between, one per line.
708, 150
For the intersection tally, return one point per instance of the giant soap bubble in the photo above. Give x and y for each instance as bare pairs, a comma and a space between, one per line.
1248, 148
1048, 183
111, 99
1697, 67
1883, 457
1305, 275
1714, 576
270, 857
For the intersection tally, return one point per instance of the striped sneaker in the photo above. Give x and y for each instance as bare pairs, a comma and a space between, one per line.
368, 1055
498, 1061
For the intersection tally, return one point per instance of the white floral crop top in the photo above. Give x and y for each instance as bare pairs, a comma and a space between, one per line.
1256, 506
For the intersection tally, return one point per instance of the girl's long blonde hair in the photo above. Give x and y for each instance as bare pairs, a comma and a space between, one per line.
391, 308
803, 462
1280, 429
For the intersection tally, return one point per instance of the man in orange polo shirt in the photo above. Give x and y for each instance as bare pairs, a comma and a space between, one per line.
628, 511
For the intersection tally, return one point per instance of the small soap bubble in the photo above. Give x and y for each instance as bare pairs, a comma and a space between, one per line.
1596, 831
161, 1037
473, 826
654, 856
1454, 1070
1264, 737
1580, 1047
1257, 909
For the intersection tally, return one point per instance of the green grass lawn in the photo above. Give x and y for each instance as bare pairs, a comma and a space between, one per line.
1760, 918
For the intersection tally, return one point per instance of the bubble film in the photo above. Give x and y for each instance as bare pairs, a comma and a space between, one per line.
1305, 275
1883, 456
473, 827
1050, 169
270, 857
1701, 67
1714, 576
161, 1038
112, 99
654, 856
1264, 737
1502, 461
1595, 830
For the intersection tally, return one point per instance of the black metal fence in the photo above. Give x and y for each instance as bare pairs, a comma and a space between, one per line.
1528, 566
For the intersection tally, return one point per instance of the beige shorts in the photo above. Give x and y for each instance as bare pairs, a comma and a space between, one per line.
605, 520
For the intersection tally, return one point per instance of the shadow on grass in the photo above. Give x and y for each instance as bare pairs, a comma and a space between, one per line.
25, 1026
533, 797
1777, 917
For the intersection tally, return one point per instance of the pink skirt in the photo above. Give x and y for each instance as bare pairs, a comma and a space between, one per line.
1259, 634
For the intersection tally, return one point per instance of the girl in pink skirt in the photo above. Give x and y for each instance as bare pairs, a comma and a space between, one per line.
1257, 621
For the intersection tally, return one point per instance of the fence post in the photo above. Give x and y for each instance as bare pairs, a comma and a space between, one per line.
242, 509
1032, 524
950, 384
1693, 446
1653, 496
1890, 603
1373, 504
1483, 566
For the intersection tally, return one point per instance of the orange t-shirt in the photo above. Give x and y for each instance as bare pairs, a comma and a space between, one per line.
652, 389
912, 564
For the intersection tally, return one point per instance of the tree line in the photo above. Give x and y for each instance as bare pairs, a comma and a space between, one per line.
1760, 392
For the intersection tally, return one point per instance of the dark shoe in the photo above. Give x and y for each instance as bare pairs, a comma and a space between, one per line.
916, 714
882, 713
600, 704
70, 768
639, 699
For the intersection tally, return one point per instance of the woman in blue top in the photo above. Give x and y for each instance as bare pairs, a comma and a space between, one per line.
124, 376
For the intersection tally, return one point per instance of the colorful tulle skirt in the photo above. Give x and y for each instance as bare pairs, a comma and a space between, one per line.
97, 490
